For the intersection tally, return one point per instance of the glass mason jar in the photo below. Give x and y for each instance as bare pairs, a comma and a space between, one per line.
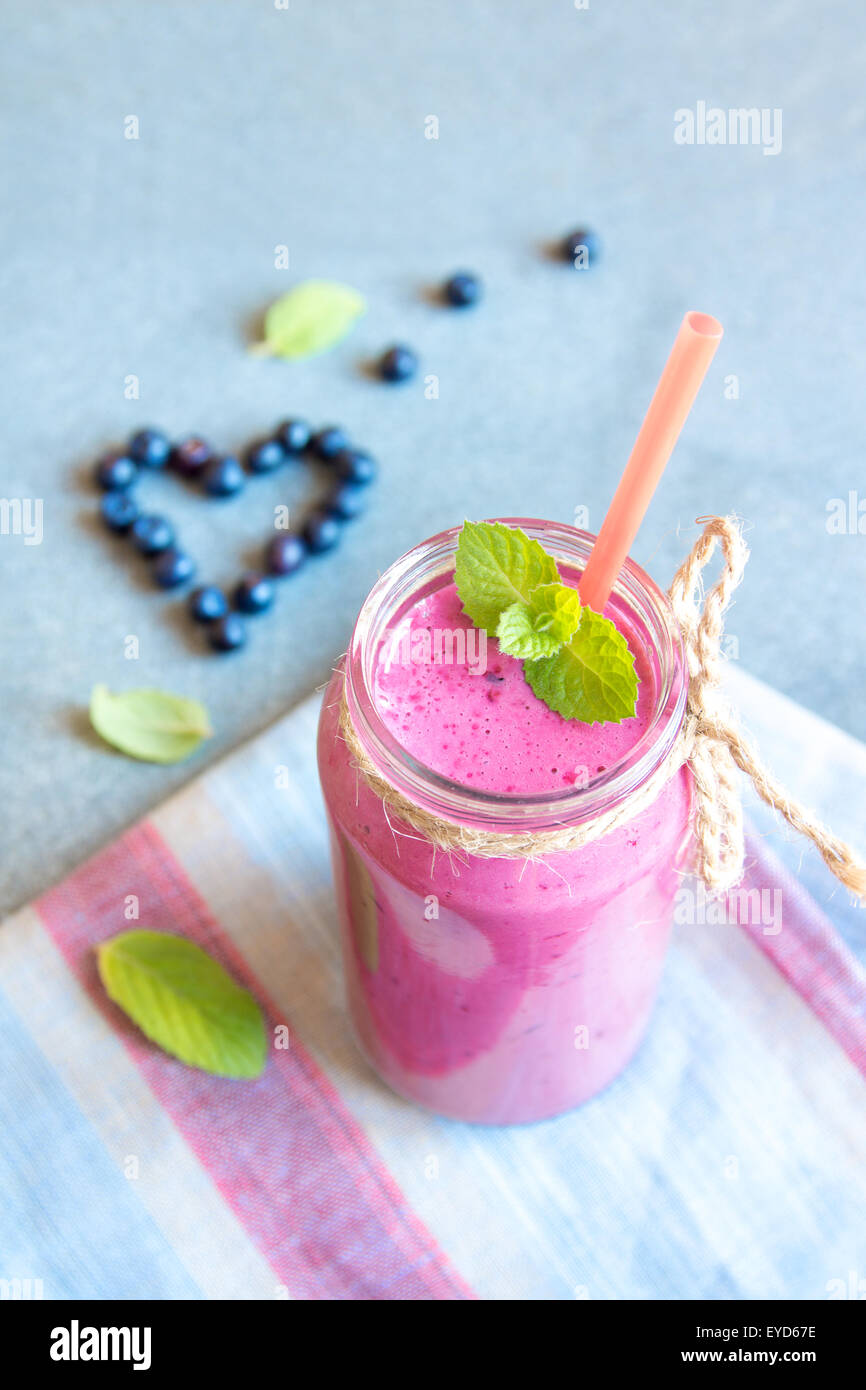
503, 990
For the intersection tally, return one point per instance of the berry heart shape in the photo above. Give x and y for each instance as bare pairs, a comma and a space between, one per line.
221, 476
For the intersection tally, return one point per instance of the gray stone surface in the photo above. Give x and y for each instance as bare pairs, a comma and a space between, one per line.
306, 127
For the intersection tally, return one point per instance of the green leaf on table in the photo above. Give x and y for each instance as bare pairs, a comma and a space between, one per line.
309, 319
591, 678
497, 566
152, 725
185, 1002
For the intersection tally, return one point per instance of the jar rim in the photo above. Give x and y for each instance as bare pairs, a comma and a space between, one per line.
509, 812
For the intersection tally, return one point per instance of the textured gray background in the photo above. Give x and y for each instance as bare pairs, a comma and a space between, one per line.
260, 127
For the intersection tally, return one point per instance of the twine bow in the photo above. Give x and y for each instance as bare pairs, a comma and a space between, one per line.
711, 742
716, 745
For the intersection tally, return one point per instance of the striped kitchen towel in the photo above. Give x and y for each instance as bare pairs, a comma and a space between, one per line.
727, 1162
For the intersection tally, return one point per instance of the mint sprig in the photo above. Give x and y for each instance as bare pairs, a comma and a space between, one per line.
576, 660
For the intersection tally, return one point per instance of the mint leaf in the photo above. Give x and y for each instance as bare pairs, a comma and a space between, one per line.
540, 627
310, 319
557, 610
517, 636
184, 1002
152, 725
592, 678
498, 566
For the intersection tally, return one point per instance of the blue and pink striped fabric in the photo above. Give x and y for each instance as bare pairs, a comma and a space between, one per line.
726, 1163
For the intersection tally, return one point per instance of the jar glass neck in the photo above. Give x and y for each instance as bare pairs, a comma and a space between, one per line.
642, 609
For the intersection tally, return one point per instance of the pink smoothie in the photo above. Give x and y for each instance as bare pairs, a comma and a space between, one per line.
497, 990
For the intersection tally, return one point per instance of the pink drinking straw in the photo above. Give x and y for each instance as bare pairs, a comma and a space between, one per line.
685, 369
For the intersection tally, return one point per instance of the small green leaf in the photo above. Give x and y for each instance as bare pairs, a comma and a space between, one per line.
310, 319
497, 566
517, 635
540, 627
556, 610
149, 724
592, 678
184, 1002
